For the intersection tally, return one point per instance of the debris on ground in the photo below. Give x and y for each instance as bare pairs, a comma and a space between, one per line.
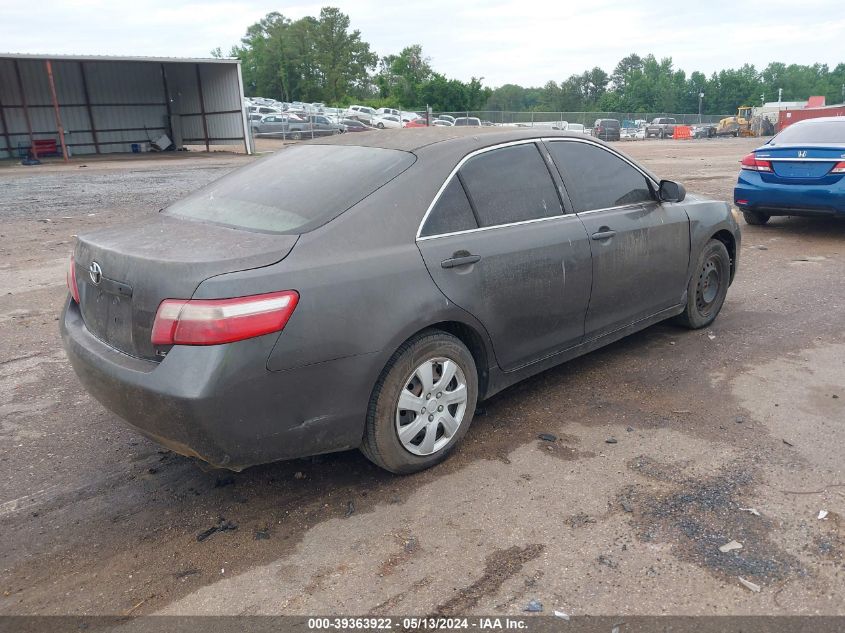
299, 475
610, 440
607, 561
561, 615
262, 535
222, 482
753, 511
711, 337
749, 585
188, 572
547, 437
630, 429
626, 506
788, 443
222, 526
350, 508
739, 419
729, 547
822, 515
534, 606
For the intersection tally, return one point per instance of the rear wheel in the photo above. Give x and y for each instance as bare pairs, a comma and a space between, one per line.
708, 287
422, 404
380, 125
755, 217
296, 136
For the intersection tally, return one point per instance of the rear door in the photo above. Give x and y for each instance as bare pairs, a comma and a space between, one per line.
640, 248
498, 244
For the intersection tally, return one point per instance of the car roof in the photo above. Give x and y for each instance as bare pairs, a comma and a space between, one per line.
823, 119
463, 139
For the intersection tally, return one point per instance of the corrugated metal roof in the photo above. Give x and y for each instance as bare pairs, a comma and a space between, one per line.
120, 58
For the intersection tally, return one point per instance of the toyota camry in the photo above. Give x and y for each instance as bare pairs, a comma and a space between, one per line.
366, 291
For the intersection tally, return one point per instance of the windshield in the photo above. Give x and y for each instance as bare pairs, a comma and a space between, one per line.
812, 132
295, 190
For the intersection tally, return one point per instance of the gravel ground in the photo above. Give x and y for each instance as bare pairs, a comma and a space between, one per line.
729, 433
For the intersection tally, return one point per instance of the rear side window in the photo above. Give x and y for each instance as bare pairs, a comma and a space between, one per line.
511, 184
294, 190
451, 213
596, 178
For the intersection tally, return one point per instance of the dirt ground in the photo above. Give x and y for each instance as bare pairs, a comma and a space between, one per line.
730, 433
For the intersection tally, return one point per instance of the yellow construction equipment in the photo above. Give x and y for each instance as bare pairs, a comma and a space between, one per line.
745, 123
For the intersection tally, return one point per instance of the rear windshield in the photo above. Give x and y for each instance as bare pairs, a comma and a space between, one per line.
609, 122
812, 132
296, 189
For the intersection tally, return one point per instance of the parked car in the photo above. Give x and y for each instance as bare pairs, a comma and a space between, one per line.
295, 127
418, 122
393, 111
387, 121
362, 113
442, 123
278, 124
575, 127
703, 130
446, 117
239, 326
800, 171
353, 125
607, 129
661, 127
467, 121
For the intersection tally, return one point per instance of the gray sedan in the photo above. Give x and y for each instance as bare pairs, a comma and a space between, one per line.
277, 313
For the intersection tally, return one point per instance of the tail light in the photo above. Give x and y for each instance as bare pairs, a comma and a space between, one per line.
838, 168
751, 163
217, 321
70, 278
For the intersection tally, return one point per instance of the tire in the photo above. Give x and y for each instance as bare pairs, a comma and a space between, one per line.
382, 444
380, 125
296, 136
708, 287
755, 217
662, 134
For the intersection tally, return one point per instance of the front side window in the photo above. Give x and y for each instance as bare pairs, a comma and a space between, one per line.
510, 184
597, 179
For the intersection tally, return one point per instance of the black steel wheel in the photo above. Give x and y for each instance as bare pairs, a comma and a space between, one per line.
708, 286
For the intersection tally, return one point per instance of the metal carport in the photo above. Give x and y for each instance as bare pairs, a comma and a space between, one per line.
100, 104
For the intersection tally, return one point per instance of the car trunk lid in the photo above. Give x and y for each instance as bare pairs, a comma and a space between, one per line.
125, 272
801, 163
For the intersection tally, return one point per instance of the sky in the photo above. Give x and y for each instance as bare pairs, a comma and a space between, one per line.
503, 41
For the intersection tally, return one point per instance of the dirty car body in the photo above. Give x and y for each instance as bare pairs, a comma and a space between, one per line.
416, 233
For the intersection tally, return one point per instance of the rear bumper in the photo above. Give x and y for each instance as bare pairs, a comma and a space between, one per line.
220, 403
753, 193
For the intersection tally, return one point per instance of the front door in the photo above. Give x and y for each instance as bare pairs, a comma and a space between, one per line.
640, 247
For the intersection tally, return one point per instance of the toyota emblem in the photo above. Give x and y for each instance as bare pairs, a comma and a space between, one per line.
95, 272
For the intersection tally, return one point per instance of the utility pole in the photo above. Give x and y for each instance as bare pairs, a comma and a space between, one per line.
700, 98
780, 95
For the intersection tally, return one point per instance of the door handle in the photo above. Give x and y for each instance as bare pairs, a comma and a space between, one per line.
603, 233
461, 260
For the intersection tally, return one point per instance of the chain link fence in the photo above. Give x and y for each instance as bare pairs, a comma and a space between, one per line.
587, 119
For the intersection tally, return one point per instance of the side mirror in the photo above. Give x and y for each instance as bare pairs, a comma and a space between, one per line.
671, 191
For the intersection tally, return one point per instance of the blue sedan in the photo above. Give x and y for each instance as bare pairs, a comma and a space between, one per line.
800, 171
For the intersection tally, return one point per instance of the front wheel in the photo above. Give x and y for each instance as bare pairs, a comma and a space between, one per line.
380, 126
755, 217
708, 287
422, 404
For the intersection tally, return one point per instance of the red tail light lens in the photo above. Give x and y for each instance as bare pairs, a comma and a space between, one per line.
70, 278
751, 163
838, 168
218, 321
